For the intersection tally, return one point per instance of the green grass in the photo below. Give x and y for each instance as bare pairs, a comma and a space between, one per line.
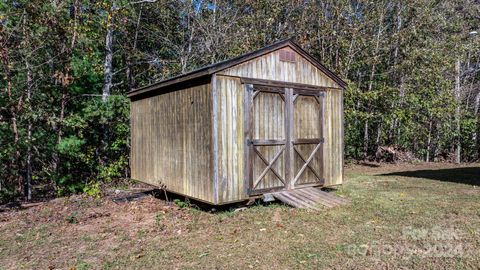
387, 211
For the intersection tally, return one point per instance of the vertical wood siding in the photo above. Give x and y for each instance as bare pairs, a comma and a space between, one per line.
306, 125
269, 67
232, 183
333, 134
172, 141
230, 155
269, 124
306, 116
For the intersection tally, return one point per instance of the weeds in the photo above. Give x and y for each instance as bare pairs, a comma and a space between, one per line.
72, 218
93, 189
182, 204
82, 266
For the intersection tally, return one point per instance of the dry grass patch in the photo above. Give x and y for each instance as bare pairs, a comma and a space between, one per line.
389, 208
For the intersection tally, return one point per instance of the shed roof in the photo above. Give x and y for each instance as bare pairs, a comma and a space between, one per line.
207, 71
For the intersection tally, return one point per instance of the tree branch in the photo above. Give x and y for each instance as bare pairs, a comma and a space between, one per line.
143, 1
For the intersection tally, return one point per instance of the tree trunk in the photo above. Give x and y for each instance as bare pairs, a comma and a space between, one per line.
65, 81
107, 66
375, 52
130, 76
429, 140
28, 101
477, 131
477, 138
63, 102
13, 109
401, 105
379, 134
108, 76
397, 43
16, 136
365, 140
457, 112
370, 82
190, 29
477, 103
28, 182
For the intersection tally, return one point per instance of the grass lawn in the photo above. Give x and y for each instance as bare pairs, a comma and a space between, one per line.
424, 216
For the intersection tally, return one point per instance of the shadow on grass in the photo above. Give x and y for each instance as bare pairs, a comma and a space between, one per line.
368, 164
467, 175
183, 201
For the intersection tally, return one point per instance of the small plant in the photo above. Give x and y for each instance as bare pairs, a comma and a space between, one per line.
82, 266
158, 218
93, 189
72, 218
224, 215
7, 195
182, 204
141, 233
87, 238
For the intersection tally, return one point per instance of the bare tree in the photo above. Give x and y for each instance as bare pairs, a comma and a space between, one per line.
107, 65
28, 101
457, 111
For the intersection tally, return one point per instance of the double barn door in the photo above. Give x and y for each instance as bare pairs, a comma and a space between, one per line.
283, 137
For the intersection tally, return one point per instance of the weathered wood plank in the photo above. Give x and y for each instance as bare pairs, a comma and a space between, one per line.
310, 158
307, 141
269, 166
268, 139
289, 198
310, 204
277, 86
214, 113
282, 197
271, 68
329, 196
259, 142
172, 142
308, 198
248, 113
337, 199
289, 170
232, 136
295, 200
317, 197
308, 165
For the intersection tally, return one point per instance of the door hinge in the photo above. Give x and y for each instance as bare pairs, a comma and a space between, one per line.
249, 142
322, 140
321, 94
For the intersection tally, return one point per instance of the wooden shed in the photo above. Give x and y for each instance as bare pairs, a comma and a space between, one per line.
269, 120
